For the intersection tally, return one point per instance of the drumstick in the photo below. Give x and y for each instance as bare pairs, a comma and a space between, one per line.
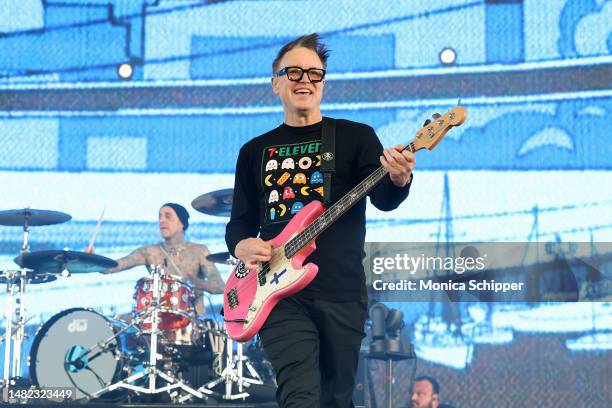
96, 230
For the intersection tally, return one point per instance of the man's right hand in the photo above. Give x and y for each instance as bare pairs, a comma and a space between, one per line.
253, 251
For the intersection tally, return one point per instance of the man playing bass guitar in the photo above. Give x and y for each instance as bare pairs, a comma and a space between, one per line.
312, 337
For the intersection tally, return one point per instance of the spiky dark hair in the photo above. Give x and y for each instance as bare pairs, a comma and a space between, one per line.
310, 41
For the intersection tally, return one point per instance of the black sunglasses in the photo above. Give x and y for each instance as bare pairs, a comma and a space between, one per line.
296, 73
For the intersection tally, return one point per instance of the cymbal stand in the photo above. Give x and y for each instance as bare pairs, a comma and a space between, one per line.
151, 371
233, 373
13, 339
20, 329
8, 330
21, 316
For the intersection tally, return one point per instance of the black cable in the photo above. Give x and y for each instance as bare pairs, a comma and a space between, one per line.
67, 371
101, 381
103, 385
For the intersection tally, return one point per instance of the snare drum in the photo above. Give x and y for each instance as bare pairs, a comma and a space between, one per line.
176, 302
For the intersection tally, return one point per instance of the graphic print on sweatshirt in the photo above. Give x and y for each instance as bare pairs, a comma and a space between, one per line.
291, 179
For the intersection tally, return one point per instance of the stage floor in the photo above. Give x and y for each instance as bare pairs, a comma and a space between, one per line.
203, 404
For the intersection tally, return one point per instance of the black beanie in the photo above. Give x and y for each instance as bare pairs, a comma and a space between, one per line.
181, 213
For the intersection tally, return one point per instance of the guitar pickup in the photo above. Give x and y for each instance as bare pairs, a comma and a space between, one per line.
261, 277
232, 298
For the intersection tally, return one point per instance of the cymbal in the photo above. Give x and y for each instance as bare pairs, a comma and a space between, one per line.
32, 217
222, 258
32, 278
56, 261
217, 202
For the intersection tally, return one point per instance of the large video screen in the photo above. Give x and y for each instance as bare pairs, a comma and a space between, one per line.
532, 163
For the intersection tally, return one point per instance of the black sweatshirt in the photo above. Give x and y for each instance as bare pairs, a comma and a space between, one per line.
278, 173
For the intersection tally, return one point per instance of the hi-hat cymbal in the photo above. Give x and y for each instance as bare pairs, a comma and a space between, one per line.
32, 217
222, 258
217, 202
32, 278
56, 261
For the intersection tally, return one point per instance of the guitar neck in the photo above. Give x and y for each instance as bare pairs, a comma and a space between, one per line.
426, 138
337, 210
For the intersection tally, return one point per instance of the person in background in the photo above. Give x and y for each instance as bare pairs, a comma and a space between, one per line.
180, 258
425, 393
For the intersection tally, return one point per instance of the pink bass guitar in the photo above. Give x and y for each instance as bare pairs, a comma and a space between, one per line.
250, 295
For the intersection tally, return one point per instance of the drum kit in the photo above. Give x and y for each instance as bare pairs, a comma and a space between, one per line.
104, 358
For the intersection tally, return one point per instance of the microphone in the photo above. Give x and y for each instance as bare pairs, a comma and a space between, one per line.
78, 364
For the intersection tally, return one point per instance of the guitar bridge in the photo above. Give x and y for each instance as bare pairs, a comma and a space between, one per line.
236, 321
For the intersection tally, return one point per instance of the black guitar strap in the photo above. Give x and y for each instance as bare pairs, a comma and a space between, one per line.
328, 156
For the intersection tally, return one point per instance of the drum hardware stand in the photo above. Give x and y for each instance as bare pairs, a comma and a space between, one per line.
217, 344
151, 371
21, 319
18, 334
103, 345
234, 373
8, 334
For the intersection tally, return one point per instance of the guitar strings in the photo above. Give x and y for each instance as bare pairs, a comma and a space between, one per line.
299, 241
312, 230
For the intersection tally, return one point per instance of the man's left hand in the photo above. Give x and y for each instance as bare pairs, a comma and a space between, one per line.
399, 164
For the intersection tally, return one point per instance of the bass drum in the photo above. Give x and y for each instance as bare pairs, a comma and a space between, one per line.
59, 357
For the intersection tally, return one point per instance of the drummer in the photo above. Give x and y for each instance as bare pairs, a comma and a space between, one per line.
178, 257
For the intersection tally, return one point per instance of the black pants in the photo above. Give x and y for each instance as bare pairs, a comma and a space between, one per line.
314, 347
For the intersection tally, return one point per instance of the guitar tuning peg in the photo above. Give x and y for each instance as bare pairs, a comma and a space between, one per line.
427, 122
436, 115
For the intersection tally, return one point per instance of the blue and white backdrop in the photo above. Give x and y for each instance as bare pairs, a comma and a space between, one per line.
533, 162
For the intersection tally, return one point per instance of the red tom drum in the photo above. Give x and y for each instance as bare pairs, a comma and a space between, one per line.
176, 302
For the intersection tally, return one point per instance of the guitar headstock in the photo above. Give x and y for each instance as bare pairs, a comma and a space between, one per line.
433, 131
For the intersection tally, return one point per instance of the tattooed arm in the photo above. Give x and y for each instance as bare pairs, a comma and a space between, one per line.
136, 258
213, 283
